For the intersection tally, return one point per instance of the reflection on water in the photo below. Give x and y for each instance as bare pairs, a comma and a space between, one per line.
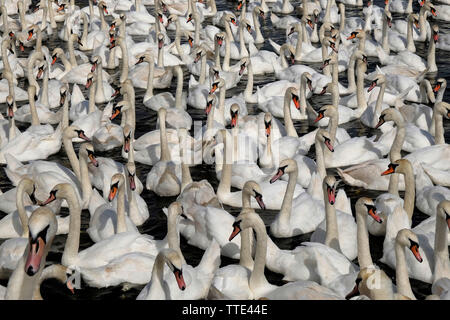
146, 121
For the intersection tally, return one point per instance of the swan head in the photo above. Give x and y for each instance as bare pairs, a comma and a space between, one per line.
360, 55
234, 113
219, 84
244, 23
176, 208
398, 166
330, 60
247, 218
87, 152
117, 181
267, 123
378, 80
388, 18
366, 206
10, 106
89, 80
172, 18
289, 49
407, 238
220, 36
72, 132
259, 10
230, 18
209, 102
127, 135
63, 90
96, 60
42, 227
41, 67
75, 37
29, 188
244, 63
328, 110
285, 166
254, 190
414, 18
102, 6
329, 188
428, 6
31, 31
295, 27
120, 107
443, 108
358, 33
292, 93
440, 83
443, 211
174, 262
60, 191
147, 57
160, 38
341, 8
323, 136
131, 175
57, 52
389, 114
435, 34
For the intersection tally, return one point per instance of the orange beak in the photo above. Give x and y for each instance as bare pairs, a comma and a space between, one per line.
437, 87
112, 193
213, 89
296, 102
34, 257
115, 113
319, 117
180, 279
235, 232
30, 35
234, 121
352, 36
416, 253
268, 130
388, 171
375, 216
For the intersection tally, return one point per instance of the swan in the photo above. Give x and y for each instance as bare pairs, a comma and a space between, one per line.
157, 288
105, 221
235, 198
341, 225
165, 177
226, 279
15, 224
37, 142
176, 116
42, 229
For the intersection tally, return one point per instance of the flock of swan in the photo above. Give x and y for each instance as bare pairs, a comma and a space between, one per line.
79, 100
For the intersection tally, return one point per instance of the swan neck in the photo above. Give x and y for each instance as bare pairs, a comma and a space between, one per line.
401, 272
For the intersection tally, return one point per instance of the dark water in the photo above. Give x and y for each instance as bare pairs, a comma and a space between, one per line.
156, 225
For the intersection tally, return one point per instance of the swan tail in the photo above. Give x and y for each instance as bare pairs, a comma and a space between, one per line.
401, 96
211, 258
12, 165
275, 45
342, 202
348, 179
274, 18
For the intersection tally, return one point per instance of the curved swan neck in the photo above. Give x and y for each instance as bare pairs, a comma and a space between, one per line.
225, 181
74, 162
179, 90
257, 277
21, 209
289, 125
401, 272
124, 74
165, 153
332, 233
151, 72
364, 258
173, 237
86, 187
438, 127
441, 257
34, 115
320, 159
121, 222
286, 206
70, 253
410, 192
